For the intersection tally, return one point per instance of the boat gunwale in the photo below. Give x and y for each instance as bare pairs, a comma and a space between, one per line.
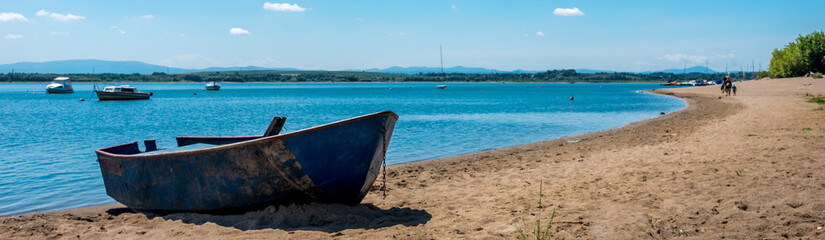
240, 144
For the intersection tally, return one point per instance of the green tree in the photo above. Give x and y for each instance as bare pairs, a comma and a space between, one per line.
787, 62
812, 48
805, 54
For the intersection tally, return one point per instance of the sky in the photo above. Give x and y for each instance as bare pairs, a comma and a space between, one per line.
355, 35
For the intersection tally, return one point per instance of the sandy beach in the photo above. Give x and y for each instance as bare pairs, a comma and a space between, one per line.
749, 166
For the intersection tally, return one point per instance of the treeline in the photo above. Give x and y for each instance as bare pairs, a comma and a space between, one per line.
567, 75
805, 54
570, 75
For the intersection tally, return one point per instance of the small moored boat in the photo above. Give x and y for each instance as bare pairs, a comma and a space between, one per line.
442, 86
335, 163
213, 86
60, 85
122, 92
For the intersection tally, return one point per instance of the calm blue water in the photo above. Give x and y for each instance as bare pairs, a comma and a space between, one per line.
47, 142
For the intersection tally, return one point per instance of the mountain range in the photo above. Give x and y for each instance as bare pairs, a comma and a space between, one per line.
129, 67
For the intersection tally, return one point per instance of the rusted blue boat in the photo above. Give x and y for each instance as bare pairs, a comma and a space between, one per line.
335, 163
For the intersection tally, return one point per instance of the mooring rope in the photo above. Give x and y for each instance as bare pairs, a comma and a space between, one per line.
384, 184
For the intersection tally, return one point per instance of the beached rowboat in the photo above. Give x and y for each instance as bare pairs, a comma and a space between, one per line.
336, 163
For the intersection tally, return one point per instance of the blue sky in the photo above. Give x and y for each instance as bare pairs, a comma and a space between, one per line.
337, 35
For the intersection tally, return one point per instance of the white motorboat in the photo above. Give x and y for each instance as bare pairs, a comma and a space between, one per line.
60, 85
213, 86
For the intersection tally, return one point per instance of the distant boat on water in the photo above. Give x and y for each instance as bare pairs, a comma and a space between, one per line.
335, 163
213, 86
442, 86
60, 85
122, 92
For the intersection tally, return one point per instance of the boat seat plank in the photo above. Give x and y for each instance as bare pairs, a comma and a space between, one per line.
275, 126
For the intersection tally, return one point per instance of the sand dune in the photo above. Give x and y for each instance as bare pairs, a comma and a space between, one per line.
743, 167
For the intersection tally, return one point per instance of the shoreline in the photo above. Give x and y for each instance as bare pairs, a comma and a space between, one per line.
502, 150
663, 177
691, 106
569, 82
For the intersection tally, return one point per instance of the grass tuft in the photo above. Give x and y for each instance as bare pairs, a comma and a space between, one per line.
541, 194
540, 232
819, 100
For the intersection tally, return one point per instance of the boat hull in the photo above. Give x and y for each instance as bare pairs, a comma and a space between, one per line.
110, 96
213, 88
59, 91
334, 163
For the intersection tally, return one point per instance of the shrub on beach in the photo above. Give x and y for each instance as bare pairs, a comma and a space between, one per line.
817, 75
805, 54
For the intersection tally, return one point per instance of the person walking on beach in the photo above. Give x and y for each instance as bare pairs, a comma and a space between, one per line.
733, 86
727, 85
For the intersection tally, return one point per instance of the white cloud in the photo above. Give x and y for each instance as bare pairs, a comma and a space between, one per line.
695, 59
238, 31
147, 16
568, 12
12, 16
683, 58
118, 29
58, 33
283, 7
14, 36
453, 6
59, 17
539, 33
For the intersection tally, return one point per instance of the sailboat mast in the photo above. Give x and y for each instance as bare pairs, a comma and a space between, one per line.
441, 55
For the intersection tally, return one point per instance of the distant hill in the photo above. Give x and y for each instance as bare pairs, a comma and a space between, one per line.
476, 70
129, 67
86, 66
456, 69
121, 67
591, 71
696, 69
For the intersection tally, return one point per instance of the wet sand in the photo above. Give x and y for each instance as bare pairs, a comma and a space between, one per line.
744, 167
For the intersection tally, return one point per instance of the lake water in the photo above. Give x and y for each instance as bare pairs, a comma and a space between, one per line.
47, 142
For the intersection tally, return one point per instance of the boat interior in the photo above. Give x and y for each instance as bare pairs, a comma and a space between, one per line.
191, 143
